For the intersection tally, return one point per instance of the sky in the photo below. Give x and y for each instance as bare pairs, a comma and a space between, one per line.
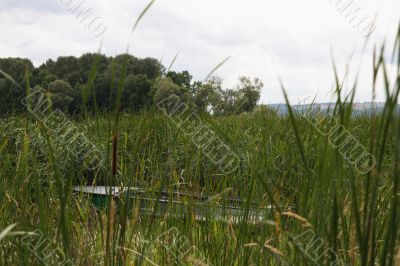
292, 41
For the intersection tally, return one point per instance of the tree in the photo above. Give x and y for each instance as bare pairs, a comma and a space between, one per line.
227, 102
208, 95
12, 83
61, 94
150, 67
97, 91
88, 60
211, 96
163, 88
249, 94
66, 78
67, 68
182, 79
136, 92
16, 68
49, 79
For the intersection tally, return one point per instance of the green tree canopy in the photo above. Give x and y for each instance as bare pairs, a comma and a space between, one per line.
249, 92
163, 88
12, 83
61, 94
93, 79
182, 79
136, 92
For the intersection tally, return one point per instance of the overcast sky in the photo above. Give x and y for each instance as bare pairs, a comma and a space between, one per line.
265, 39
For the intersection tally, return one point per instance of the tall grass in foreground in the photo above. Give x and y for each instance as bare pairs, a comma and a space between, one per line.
292, 172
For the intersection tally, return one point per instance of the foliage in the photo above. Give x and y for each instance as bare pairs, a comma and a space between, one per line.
12, 83
67, 77
243, 98
61, 94
164, 87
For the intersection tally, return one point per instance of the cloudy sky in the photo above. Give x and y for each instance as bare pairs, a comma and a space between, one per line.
289, 39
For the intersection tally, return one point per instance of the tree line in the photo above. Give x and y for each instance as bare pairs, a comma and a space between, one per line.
93, 80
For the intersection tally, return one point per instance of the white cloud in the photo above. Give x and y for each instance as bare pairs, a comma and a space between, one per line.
292, 39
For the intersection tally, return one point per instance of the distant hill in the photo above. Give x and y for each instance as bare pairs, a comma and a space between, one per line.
358, 108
